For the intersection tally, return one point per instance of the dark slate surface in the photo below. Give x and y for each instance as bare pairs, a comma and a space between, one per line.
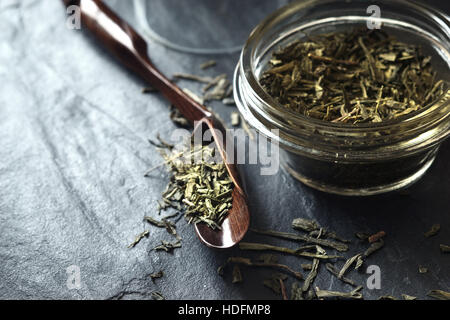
73, 136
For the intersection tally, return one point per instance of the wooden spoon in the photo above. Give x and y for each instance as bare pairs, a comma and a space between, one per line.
131, 50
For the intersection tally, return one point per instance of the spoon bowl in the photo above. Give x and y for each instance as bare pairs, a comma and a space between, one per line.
236, 224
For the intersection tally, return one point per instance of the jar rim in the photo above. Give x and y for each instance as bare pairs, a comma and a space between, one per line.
249, 79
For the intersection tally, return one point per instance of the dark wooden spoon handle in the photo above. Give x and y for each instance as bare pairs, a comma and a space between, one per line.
131, 49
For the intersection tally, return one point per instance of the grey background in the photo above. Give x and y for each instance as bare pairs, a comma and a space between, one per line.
73, 150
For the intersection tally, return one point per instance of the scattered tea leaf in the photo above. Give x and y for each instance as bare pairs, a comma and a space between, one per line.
354, 294
168, 246
433, 231
156, 275
314, 229
296, 291
237, 275
221, 270
311, 275
208, 64
332, 269
362, 236
194, 96
283, 289
387, 297
377, 236
423, 269
439, 294
192, 77
228, 101
359, 262
161, 144
268, 258
275, 283
373, 248
155, 222
219, 89
249, 263
444, 248
139, 237
298, 237
261, 247
306, 266
305, 224
164, 223
157, 296
348, 264
178, 119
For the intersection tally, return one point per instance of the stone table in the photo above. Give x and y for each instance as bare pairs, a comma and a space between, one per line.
73, 147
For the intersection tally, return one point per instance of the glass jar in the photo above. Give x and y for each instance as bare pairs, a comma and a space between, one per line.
341, 158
